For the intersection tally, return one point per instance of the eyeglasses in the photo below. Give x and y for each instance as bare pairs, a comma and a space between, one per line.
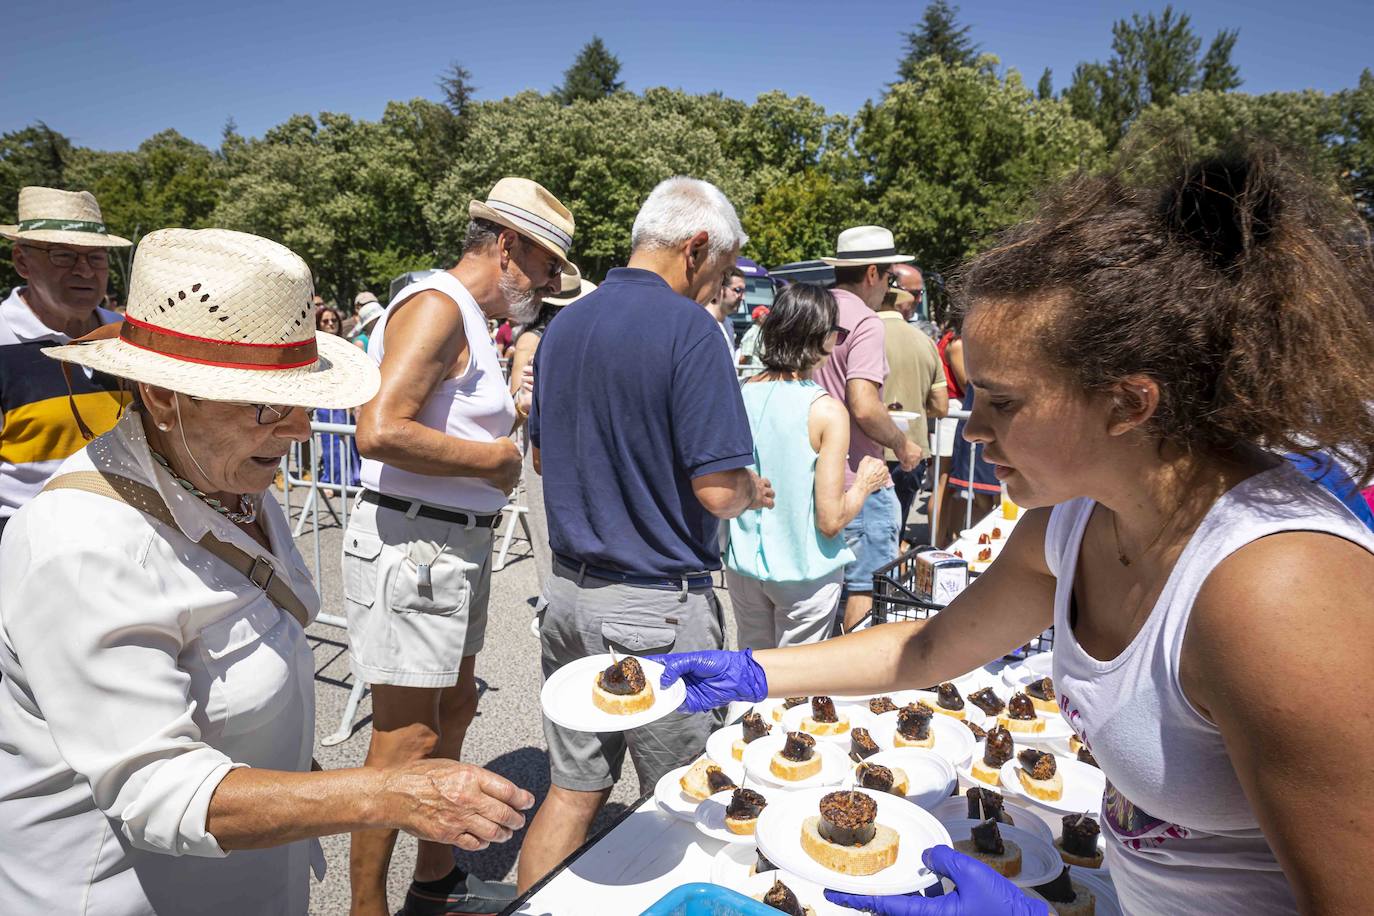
555, 265
65, 257
840, 333
266, 414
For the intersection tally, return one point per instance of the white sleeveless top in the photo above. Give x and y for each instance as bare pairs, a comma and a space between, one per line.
475, 405
1181, 836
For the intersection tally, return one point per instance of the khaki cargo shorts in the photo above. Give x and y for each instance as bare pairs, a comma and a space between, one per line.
401, 632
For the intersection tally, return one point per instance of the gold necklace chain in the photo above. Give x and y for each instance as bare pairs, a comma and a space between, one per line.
1121, 554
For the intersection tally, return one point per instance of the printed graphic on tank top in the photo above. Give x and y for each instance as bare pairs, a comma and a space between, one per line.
1181, 836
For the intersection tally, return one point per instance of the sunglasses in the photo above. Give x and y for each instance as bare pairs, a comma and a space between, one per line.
841, 334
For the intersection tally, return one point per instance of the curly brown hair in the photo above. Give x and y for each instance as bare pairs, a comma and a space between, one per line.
1243, 287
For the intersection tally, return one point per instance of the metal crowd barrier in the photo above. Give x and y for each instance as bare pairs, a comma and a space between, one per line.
318, 495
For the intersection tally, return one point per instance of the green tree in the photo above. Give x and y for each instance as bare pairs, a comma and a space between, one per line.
1045, 88
939, 36
593, 75
456, 85
956, 154
1154, 60
1354, 149
346, 195
34, 155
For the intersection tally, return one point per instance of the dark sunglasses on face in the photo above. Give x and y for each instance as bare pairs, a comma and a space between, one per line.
840, 333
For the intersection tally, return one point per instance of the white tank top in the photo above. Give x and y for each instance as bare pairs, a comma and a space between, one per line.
1181, 836
475, 405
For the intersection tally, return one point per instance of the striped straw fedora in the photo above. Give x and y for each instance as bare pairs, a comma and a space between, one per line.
61, 218
529, 209
225, 316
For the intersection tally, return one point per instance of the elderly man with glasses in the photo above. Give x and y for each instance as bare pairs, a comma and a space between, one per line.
61, 250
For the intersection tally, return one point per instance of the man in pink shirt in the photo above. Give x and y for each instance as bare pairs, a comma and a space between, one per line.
854, 374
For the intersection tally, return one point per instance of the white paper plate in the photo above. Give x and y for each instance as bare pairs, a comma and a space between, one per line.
858, 716
719, 746
834, 764
768, 707
1083, 786
971, 712
932, 777
953, 740
1098, 880
956, 807
1021, 673
779, 837
730, 867
710, 819
1056, 726
900, 697
1040, 861
670, 798
567, 697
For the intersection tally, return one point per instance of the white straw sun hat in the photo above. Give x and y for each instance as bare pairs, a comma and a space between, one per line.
226, 316
61, 218
528, 208
862, 245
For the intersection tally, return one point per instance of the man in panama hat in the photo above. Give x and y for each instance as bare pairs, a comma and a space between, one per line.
61, 249
854, 374
438, 465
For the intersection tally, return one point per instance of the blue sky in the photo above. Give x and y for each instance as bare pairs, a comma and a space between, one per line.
112, 73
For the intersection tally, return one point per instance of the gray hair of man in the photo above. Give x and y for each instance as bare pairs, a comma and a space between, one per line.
680, 207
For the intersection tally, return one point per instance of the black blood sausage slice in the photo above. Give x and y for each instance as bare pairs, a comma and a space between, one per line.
987, 700
789, 702
717, 780
780, 897
987, 838
913, 721
754, 727
623, 679
880, 705
861, 745
761, 864
745, 803
798, 747
1086, 756
985, 803
1037, 763
1080, 835
978, 733
1021, 707
875, 777
948, 697
847, 818
823, 709
998, 747
1060, 890
1042, 689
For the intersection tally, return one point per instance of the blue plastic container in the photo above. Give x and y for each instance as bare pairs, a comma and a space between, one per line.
701, 899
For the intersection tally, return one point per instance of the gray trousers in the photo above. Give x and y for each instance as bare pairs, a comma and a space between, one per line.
588, 618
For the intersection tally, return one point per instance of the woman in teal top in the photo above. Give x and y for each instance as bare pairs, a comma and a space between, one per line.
785, 566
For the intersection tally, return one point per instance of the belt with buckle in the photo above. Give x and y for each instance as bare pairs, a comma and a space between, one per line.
406, 506
689, 581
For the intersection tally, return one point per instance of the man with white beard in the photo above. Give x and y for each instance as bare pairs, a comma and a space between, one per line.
438, 463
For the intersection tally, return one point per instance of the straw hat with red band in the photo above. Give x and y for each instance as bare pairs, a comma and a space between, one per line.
225, 316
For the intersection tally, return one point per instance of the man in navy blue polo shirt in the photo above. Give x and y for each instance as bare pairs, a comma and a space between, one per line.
643, 445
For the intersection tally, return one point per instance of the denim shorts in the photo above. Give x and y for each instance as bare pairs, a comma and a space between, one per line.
873, 536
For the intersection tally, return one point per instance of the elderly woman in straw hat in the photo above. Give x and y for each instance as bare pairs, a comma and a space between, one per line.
157, 706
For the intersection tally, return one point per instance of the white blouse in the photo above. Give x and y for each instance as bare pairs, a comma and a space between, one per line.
138, 670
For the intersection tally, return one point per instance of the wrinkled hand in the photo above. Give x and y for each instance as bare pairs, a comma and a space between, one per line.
979, 891
458, 804
714, 678
506, 473
909, 455
763, 492
872, 474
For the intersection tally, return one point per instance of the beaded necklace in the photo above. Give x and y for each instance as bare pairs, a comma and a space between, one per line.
248, 510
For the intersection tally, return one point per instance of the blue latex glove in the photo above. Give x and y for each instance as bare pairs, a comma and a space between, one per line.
714, 678
979, 891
